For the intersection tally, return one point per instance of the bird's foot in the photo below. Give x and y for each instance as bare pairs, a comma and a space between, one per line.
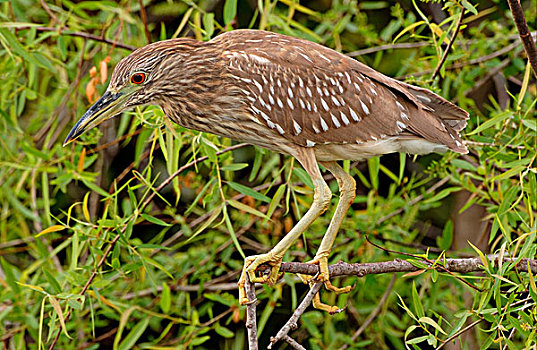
251, 263
324, 277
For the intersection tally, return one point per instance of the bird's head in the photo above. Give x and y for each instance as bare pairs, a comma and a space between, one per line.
138, 79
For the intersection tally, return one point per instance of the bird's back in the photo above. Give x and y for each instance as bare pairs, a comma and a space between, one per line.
313, 96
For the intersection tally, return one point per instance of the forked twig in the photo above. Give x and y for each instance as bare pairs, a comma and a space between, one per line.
292, 323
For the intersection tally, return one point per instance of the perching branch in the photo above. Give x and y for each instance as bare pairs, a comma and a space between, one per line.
251, 322
524, 32
463, 265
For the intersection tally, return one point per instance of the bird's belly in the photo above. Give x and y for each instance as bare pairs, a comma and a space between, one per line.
329, 152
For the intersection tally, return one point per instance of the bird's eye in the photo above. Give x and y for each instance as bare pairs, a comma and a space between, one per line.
138, 78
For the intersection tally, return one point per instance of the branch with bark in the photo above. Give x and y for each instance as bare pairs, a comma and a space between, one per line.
462, 265
524, 32
454, 265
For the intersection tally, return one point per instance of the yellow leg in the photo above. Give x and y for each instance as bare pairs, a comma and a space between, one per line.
347, 189
321, 199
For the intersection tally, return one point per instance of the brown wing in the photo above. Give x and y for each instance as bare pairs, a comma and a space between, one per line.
313, 95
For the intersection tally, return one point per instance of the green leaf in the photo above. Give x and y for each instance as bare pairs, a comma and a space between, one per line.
232, 233
407, 29
431, 322
200, 340
10, 276
303, 176
374, 166
444, 242
75, 304
234, 167
462, 164
489, 123
154, 220
248, 191
202, 227
10, 41
223, 331
418, 307
230, 11
52, 281
530, 123
208, 24
165, 298
246, 208
442, 194
134, 334
276, 199
467, 5
21, 208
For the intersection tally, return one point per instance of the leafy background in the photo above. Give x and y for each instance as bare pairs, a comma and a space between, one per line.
169, 281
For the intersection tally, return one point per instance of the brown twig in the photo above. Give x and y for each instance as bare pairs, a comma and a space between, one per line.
50, 13
448, 48
67, 31
293, 343
524, 32
388, 47
144, 20
251, 322
292, 323
374, 314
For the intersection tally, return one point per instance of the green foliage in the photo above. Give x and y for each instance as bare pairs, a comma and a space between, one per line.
168, 280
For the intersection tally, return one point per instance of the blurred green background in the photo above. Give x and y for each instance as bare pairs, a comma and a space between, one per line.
170, 280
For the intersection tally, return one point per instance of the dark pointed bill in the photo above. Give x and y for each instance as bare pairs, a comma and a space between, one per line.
108, 106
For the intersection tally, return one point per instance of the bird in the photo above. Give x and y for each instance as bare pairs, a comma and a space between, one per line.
291, 96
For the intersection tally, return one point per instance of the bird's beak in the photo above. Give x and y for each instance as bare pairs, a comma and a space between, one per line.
108, 106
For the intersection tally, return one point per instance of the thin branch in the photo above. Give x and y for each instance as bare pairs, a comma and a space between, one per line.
292, 323
90, 280
524, 32
505, 50
448, 48
460, 265
388, 47
374, 314
144, 20
293, 343
251, 322
50, 13
67, 31
473, 324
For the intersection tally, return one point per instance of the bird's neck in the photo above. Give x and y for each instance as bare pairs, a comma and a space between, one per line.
204, 97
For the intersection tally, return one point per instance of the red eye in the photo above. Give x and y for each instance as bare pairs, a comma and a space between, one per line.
138, 78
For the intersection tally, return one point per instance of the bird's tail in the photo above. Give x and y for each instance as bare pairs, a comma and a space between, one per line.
453, 117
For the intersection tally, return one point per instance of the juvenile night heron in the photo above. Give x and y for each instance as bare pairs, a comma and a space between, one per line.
291, 96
